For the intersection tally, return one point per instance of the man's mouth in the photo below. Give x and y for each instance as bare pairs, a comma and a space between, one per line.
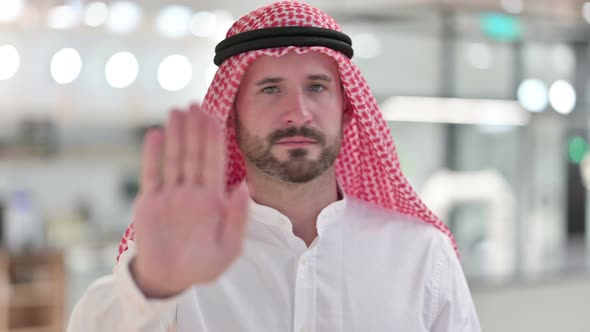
296, 141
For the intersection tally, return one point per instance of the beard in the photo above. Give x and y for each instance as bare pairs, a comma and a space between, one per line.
298, 168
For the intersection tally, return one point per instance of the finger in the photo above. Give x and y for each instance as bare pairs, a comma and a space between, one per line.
236, 216
151, 156
194, 142
214, 161
194, 107
173, 150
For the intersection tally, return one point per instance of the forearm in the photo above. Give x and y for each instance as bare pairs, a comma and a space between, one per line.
115, 303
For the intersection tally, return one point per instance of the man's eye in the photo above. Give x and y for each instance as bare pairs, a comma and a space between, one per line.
316, 88
270, 89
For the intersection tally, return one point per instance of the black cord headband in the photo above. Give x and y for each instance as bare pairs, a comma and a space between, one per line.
282, 37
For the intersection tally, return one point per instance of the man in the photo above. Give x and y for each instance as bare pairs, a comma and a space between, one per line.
326, 236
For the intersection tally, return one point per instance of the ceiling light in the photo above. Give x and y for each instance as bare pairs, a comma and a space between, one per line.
124, 17
175, 72
532, 95
121, 70
66, 66
62, 17
562, 97
9, 62
97, 14
10, 10
174, 21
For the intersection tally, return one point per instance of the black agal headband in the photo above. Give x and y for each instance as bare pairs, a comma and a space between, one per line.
282, 37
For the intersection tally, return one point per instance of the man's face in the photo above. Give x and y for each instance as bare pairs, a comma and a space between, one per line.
289, 113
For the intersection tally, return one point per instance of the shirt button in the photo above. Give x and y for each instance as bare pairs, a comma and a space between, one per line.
302, 330
303, 260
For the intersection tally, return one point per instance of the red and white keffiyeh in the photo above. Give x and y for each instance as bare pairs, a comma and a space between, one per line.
367, 167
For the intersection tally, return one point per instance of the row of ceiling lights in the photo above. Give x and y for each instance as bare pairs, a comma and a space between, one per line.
173, 21
534, 96
518, 6
121, 70
121, 17
175, 73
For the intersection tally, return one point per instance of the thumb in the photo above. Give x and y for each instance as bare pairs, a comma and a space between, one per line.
236, 217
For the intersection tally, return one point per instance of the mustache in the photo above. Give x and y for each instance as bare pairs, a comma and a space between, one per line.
306, 132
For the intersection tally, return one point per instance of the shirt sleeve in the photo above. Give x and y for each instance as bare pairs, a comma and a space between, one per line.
115, 303
454, 310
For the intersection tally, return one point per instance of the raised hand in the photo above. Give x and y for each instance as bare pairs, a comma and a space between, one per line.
188, 229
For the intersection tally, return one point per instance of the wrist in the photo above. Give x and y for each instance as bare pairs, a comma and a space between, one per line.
150, 287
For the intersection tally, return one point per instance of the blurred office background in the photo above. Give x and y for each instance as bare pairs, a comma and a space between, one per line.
488, 102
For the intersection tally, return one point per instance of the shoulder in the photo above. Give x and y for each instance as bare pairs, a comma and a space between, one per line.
364, 216
397, 239
97, 298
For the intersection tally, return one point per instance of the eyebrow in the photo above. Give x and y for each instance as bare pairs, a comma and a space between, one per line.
315, 77
319, 77
268, 80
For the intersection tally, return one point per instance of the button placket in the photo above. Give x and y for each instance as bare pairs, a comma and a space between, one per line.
305, 293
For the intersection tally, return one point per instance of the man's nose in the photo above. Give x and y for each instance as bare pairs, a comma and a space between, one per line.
297, 110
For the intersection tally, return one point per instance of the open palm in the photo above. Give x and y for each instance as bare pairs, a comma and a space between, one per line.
188, 229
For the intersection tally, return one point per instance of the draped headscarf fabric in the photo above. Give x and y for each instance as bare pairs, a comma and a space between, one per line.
367, 167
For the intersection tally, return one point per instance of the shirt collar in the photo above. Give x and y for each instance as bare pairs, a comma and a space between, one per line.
270, 216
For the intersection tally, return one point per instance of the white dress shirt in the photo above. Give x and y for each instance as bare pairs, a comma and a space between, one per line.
368, 270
